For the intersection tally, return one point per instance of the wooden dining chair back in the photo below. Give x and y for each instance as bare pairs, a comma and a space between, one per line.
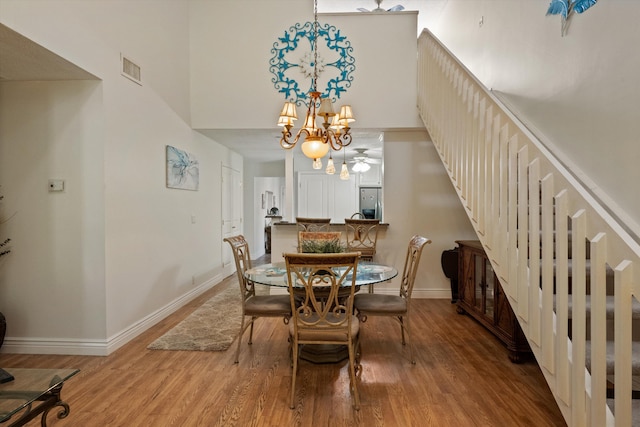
321, 291
362, 236
253, 306
396, 306
311, 224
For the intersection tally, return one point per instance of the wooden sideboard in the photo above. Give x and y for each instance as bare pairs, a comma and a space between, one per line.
480, 295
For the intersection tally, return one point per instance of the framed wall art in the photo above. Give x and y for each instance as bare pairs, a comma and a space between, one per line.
183, 170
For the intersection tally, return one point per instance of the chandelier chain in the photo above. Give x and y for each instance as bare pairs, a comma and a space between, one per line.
318, 140
315, 45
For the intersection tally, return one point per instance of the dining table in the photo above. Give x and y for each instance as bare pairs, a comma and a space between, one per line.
275, 276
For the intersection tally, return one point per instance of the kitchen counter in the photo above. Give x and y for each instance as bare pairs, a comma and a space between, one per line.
284, 237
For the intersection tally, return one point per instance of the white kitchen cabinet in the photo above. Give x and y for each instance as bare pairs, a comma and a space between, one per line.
326, 196
372, 177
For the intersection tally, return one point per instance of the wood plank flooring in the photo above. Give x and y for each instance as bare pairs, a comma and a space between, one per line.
463, 377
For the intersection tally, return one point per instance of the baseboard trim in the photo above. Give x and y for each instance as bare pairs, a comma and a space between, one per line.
104, 347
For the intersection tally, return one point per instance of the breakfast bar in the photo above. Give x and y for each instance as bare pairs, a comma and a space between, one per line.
284, 237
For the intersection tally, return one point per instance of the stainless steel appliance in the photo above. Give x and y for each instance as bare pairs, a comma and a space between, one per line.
371, 202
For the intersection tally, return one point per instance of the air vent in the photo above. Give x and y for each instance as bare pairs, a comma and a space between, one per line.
130, 70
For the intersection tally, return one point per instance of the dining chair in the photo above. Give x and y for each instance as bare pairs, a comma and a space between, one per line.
396, 306
362, 236
311, 224
253, 306
322, 312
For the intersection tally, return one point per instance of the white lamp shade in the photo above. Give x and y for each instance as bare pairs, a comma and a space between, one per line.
310, 123
285, 121
326, 108
335, 123
288, 112
346, 114
314, 148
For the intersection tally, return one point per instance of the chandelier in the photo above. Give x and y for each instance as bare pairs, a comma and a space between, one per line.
334, 132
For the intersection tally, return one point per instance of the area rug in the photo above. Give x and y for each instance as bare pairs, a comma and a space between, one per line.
211, 327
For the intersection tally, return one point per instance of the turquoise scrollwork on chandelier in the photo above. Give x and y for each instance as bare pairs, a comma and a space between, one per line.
292, 63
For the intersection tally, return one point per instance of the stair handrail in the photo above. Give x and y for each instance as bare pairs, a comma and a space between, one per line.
518, 195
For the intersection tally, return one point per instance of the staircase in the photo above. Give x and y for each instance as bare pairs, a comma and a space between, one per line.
576, 298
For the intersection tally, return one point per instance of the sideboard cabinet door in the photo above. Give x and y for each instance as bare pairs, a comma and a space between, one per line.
481, 297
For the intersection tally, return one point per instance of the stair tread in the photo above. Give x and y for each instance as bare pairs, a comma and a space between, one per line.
610, 306
635, 359
635, 411
587, 267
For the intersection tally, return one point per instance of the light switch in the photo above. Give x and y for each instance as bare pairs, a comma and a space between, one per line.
56, 185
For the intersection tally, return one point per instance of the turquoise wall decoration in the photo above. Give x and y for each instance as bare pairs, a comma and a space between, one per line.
293, 61
566, 9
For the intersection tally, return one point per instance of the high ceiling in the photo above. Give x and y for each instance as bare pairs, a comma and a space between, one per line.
22, 59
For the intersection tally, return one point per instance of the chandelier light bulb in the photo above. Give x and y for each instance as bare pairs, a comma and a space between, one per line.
317, 164
344, 173
331, 169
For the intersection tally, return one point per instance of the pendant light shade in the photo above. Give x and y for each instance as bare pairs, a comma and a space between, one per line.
314, 148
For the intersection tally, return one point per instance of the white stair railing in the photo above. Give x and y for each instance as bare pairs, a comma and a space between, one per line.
550, 242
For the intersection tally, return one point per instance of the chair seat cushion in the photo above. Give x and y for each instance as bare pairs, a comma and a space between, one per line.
318, 333
267, 305
378, 303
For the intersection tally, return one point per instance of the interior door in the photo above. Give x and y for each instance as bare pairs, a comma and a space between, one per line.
231, 212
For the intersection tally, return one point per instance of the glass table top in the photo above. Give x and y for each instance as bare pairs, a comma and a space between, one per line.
276, 274
29, 386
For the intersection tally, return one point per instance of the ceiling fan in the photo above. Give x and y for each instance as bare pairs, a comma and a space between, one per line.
361, 160
395, 8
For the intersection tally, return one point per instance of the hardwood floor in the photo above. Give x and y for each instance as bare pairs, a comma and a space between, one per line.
463, 377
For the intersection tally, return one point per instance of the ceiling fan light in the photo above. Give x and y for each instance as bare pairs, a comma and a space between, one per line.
364, 167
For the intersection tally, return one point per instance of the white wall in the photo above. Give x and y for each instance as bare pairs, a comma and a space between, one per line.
117, 248
579, 92
230, 76
52, 284
419, 199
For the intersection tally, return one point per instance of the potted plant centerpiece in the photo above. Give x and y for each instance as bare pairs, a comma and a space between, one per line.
321, 243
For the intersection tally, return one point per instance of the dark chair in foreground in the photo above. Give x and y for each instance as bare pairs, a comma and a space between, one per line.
321, 289
397, 306
254, 305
